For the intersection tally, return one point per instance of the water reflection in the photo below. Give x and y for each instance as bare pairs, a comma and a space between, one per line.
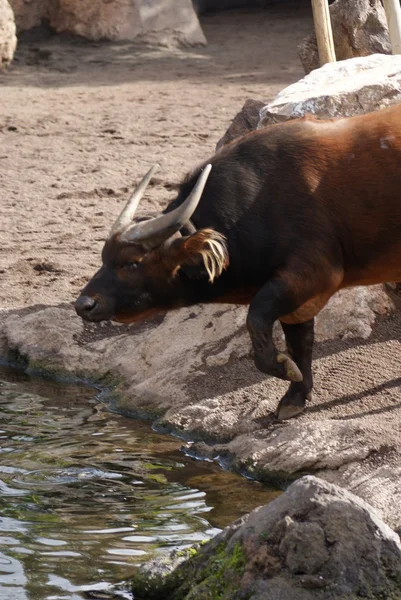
85, 495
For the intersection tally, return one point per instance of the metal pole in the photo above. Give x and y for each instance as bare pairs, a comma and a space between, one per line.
324, 34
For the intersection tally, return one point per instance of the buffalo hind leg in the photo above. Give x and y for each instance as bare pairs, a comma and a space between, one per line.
274, 299
299, 339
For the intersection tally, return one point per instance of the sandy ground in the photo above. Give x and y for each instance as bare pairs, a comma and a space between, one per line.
80, 123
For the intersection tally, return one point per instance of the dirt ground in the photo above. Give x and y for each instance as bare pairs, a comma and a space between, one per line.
80, 123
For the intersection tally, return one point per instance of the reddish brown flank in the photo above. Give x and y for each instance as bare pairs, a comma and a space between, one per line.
280, 219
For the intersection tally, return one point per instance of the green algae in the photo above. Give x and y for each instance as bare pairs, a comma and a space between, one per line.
207, 572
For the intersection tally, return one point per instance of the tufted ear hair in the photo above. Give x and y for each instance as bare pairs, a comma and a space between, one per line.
206, 245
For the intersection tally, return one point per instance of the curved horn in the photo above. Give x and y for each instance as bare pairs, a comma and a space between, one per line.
156, 231
125, 218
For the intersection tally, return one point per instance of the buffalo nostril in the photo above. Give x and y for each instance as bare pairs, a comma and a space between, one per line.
84, 304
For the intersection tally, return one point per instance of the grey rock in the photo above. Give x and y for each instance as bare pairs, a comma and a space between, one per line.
302, 446
342, 89
359, 29
338, 450
351, 313
316, 541
244, 122
349, 547
304, 547
153, 372
170, 23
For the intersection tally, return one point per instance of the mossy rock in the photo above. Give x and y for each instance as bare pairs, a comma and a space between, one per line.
210, 573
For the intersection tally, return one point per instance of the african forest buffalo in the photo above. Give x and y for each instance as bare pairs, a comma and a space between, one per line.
279, 219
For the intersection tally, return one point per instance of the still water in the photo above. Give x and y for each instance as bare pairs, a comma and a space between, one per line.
87, 495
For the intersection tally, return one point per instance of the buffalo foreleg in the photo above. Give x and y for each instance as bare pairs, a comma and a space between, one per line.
272, 301
299, 340
294, 297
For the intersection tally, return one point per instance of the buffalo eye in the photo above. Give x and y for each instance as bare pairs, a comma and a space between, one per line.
131, 266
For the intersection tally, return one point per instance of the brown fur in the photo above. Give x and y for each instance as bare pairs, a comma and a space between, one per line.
206, 245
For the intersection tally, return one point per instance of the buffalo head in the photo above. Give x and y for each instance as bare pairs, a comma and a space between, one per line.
149, 265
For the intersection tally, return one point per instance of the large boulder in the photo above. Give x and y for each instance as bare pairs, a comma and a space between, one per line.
166, 22
245, 121
170, 22
342, 89
8, 38
315, 542
154, 364
359, 29
116, 20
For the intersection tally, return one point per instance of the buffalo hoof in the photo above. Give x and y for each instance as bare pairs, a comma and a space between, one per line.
291, 406
291, 370
280, 366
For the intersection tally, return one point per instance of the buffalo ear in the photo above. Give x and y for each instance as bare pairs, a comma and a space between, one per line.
206, 246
